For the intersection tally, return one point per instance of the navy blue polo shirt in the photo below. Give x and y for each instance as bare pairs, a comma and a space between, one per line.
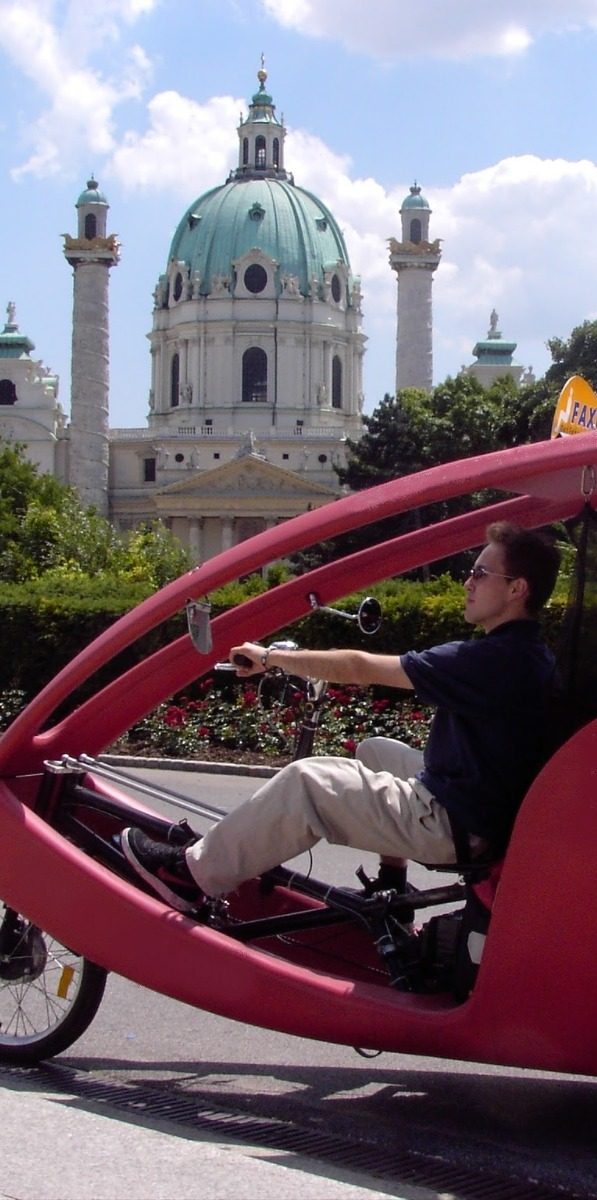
487, 740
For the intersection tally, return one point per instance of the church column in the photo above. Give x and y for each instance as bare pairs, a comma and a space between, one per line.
193, 370
414, 259
227, 528
201, 372
327, 371
91, 255
196, 539
184, 367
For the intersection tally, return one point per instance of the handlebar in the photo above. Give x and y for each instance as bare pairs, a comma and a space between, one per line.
313, 693
243, 660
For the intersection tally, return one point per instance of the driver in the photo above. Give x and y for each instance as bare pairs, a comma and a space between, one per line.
455, 800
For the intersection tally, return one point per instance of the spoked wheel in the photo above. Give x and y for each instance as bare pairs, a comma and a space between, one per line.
48, 994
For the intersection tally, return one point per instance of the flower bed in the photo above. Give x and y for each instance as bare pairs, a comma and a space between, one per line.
229, 724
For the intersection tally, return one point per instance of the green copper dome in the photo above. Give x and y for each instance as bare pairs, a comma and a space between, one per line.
286, 223
91, 195
14, 344
415, 199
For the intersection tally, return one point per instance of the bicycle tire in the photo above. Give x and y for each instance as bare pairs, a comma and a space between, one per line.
49, 994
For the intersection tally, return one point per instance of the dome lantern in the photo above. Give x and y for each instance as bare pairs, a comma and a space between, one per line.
261, 137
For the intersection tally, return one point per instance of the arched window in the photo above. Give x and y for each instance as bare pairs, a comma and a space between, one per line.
175, 381
254, 376
415, 231
260, 152
336, 382
8, 392
90, 226
245, 151
276, 152
177, 287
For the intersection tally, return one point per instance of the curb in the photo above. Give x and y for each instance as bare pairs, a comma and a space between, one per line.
187, 764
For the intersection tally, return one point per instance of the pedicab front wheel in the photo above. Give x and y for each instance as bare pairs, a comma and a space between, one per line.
49, 995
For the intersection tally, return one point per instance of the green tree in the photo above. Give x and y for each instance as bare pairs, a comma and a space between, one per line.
529, 417
21, 484
576, 355
44, 530
415, 429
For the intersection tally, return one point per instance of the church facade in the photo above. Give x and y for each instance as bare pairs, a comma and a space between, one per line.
256, 358
256, 355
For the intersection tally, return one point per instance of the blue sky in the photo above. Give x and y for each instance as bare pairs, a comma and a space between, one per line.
489, 106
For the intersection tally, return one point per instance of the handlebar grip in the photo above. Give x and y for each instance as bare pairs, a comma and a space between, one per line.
242, 660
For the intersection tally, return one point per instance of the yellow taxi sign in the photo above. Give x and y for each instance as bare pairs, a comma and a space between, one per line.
576, 409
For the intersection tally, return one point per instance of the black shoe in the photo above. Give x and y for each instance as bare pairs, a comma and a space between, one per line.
164, 868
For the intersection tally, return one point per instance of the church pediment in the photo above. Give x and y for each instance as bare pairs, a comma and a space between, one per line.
247, 478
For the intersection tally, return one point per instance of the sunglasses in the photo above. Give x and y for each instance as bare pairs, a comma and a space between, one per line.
479, 572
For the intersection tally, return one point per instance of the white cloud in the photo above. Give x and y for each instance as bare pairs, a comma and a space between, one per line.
452, 29
515, 237
187, 148
53, 56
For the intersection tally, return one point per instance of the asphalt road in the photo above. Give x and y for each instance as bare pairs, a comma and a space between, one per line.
479, 1125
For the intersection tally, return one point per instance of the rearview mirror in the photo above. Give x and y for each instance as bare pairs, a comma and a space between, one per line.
198, 625
368, 614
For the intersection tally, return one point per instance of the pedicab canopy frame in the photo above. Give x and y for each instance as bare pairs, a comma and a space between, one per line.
534, 1001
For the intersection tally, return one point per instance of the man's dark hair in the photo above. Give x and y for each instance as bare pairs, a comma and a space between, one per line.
528, 555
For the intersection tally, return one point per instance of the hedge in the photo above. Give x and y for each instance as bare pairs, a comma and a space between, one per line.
42, 628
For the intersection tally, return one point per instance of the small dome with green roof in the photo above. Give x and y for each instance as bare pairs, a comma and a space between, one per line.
415, 199
92, 194
14, 344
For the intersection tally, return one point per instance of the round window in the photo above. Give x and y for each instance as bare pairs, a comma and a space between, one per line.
336, 289
255, 278
179, 458
323, 458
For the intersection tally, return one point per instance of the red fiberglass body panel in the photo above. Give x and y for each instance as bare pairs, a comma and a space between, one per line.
534, 1001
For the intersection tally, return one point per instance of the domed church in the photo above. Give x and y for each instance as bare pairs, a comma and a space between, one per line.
256, 357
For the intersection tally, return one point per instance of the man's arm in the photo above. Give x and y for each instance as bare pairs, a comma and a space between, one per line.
336, 666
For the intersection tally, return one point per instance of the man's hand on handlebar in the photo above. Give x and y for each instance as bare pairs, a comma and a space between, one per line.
248, 659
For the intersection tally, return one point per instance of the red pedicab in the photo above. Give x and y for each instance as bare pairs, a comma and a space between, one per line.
294, 955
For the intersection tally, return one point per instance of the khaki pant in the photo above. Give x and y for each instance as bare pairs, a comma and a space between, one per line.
372, 802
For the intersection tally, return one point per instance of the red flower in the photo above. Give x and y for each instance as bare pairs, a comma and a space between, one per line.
350, 745
174, 717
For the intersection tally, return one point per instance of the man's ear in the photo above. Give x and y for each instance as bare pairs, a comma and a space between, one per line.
520, 589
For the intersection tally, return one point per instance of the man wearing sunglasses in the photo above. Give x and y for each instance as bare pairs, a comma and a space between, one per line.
455, 800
